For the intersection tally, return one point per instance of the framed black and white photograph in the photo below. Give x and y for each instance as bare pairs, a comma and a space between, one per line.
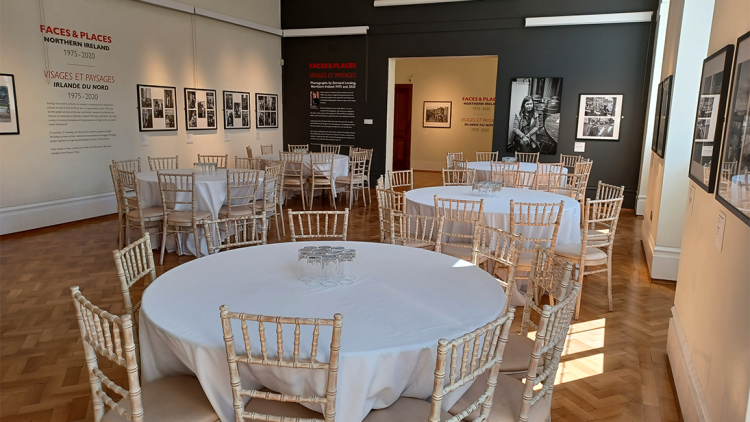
8, 106
437, 114
664, 107
156, 108
709, 118
733, 187
657, 117
265, 111
235, 101
534, 115
197, 102
599, 117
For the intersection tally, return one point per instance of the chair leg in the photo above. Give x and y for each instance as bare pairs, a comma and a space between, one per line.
609, 280
369, 193
333, 197
283, 226
163, 242
197, 241
276, 224
351, 196
581, 269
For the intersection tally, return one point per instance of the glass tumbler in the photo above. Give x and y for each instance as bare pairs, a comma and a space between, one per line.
346, 268
329, 270
302, 255
314, 269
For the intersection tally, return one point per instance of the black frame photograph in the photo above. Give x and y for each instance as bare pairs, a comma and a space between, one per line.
733, 186
156, 108
196, 103
8, 106
657, 117
266, 111
233, 99
599, 117
437, 114
709, 118
534, 120
666, 105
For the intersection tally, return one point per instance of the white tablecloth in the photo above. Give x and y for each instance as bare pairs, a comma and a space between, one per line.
404, 301
210, 195
484, 171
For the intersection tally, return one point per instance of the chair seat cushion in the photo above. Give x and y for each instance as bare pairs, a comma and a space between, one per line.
457, 251
321, 181
506, 403
148, 213
348, 179
186, 216
277, 408
237, 211
573, 250
405, 409
293, 182
517, 354
173, 399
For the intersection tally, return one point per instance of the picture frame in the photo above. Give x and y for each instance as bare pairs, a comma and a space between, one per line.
709, 118
534, 119
657, 117
599, 117
666, 105
201, 109
157, 108
239, 100
266, 111
437, 114
733, 174
8, 106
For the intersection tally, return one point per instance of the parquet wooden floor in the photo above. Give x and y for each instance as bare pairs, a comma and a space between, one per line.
614, 368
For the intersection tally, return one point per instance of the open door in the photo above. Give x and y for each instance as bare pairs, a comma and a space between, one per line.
402, 127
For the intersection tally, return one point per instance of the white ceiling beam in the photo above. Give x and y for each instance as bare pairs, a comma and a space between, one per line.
326, 32
237, 21
171, 4
383, 3
609, 18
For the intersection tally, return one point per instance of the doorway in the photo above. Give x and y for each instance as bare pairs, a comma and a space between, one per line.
402, 127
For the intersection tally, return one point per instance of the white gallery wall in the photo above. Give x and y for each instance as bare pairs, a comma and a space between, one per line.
48, 179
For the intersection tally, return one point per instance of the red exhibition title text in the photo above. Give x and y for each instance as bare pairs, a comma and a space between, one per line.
333, 65
64, 32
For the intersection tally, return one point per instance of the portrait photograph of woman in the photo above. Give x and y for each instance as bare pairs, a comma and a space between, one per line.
534, 115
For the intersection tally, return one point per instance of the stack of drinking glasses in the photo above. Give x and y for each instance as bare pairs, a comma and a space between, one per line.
486, 188
509, 159
326, 266
205, 168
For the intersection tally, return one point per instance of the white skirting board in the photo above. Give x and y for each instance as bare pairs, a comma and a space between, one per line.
43, 214
689, 389
640, 205
663, 262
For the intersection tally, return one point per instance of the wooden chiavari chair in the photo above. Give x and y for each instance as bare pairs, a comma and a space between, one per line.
514, 400
135, 215
270, 204
505, 173
449, 157
526, 179
163, 163
595, 250
547, 174
333, 149
571, 185
321, 169
480, 353
391, 204
133, 165
249, 151
293, 169
456, 177
355, 180
368, 166
172, 399
267, 405
122, 208
242, 191
418, 231
487, 156
239, 232
401, 178
266, 149
178, 191
221, 161
303, 148
311, 220
570, 161
502, 250
460, 215
584, 168
527, 157
380, 184
537, 217
460, 165
243, 163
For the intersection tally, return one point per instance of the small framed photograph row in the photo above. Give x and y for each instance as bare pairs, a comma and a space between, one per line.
200, 109
156, 108
266, 111
236, 110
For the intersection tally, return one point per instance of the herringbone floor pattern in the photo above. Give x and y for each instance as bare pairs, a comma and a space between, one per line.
614, 368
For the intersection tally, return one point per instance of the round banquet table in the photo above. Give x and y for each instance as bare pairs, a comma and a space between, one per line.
394, 315
497, 214
210, 195
484, 172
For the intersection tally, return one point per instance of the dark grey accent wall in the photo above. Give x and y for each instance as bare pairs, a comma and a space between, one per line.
590, 59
